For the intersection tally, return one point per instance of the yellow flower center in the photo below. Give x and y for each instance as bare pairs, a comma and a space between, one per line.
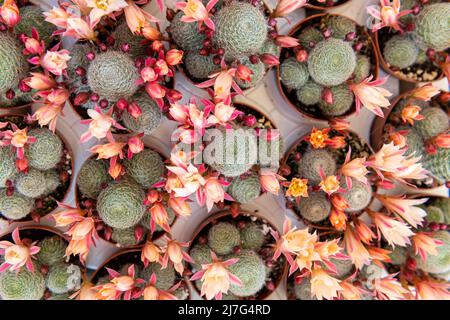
191, 7
298, 187
102, 4
19, 138
318, 138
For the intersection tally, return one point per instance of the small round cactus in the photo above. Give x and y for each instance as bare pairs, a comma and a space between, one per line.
46, 151
52, 250
121, 205
78, 57
124, 237
341, 26
303, 290
310, 37
165, 278
293, 74
112, 75
439, 263
63, 278
258, 69
7, 165
198, 66
146, 167
432, 26
241, 30
149, 119
252, 237
358, 197
245, 190
413, 141
271, 48
310, 93
201, 254
399, 256
315, 208
33, 17
24, 285
122, 34
250, 269
362, 69
438, 164
435, 122
31, 184
223, 237
344, 267
186, 35
20, 98
311, 162
342, 101
400, 52
92, 177
435, 214
13, 64
15, 207
444, 205
331, 62
52, 181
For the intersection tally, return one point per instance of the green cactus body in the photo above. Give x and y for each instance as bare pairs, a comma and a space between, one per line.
165, 278
46, 151
241, 30
7, 165
24, 285
252, 237
250, 269
310, 93
303, 290
186, 35
435, 214
435, 122
358, 197
315, 208
63, 278
344, 268
293, 74
181, 294
413, 141
245, 190
342, 101
52, 181
149, 119
362, 69
78, 57
31, 184
433, 26
121, 205
258, 69
52, 250
444, 205
223, 237
271, 48
421, 57
122, 34
311, 162
341, 26
310, 36
33, 17
331, 62
400, 52
198, 66
399, 256
124, 237
438, 164
92, 176
15, 207
439, 263
112, 75
20, 98
201, 254
13, 64
146, 167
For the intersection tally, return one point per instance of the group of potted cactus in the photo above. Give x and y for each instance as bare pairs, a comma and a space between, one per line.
119, 77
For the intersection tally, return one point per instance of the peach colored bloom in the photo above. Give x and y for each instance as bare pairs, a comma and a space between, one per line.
379, 254
323, 285
190, 178
180, 206
222, 81
82, 234
86, 292
119, 285
330, 184
398, 139
442, 140
79, 29
150, 253
17, 254
286, 41
355, 249
433, 290
68, 216
179, 112
318, 138
368, 94
425, 92
412, 169
339, 125
298, 188
115, 169
56, 61
172, 182
174, 57
337, 142
123, 283
174, 253
151, 33
411, 113
213, 191
389, 15
388, 159
83, 6
222, 114
295, 241
424, 244
394, 231
135, 144
195, 11
338, 219
57, 16
327, 249
152, 293
269, 181
408, 209
108, 150
350, 292
338, 202
363, 231
100, 8
137, 19
39, 81
284, 7
390, 289
9, 13
99, 126
243, 73
159, 216
107, 291
19, 138
305, 258
33, 46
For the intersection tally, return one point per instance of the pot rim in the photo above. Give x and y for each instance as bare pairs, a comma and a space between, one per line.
321, 8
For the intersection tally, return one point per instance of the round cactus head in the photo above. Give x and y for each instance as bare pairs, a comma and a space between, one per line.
16, 206
310, 36
398, 256
52, 250
13, 64
201, 254
439, 263
315, 208
186, 35
331, 62
78, 57
362, 69
23, 285
344, 268
258, 71
223, 237
245, 190
413, 140
303, 290
444, 205
63, 278
124, 237
271, 48
123, 35
438, 164
149, 119
358, 197
7, 164
435, 122
31, 184
93, 176
121, 205
200, 67
46, 151
252, 237
310, 93
241, 30
342, 101
52, 181
146, 167
400, 52
293, 74
435, 214
312, 161
432, 26
112, 75
33, 17
341, 26
165, 278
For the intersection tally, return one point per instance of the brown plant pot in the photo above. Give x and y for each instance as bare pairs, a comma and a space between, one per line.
16, 110
226, 214
321, 8
117, 260
284, 91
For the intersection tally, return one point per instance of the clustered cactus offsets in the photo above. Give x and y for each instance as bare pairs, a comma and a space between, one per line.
52, 277
418, 50
247, 238
32, 184
315, 76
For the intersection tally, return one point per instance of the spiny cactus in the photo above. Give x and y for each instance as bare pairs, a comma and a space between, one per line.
362, 69
165, 278
121, 205
198, 66
63, 278
52, 181
400, 52
399, 255
52, 250
33, 17
358, 197
344, 268
122, 34
341, 26
271, 48
15, 207
7, 164
435, 122
342, 101
315, 208
13, 64
310, 36
245, 190
439, 263
201, 254
435, 214
186, 35
444, 205
331, 62
310, 93
112, 75
20, 98
92, 176
31, 184
413, 141
241, 30
311, 162
252, 237
438, 164
46, 151
293, 74
124, 237
23, 285
433, 27
303, 290
148, 120
146, 167
258, 69
223, 237
78, 57
250, 269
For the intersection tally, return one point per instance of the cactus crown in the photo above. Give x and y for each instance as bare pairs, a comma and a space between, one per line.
358, 197
245, 190
16, 206
149, 119
432, 26
146, 167
92, 176
435, 122
252, 237
23, 285
31, 184
312, 161
46, 151
315, 208
52, 250
310, 93
342, 101
13, 64
400, 52
63, 278
223, 237
293, 74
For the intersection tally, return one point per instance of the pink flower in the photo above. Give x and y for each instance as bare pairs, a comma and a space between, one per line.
56, 61
406, 208
270, 181
394, 231
213, 192
18, 139
323, 285
180, 206
223, 113
174, 253
79, 29
9, 13
151, 292
442, 140
389, 15
160, 217
389, 289
150, 253
368, 94
284, 7
388, 159
82, 235
57, 16
355, 249
103, 8
339, 125
68, 216
195, 11
17, 254
135, 145
190, 178
137, 19
355, 169
47, 114
119, 285
33, 45
424, 243
39, 81
174, 57
222, 81
100, 125
286, 41
433, 290
425, 92
109, 150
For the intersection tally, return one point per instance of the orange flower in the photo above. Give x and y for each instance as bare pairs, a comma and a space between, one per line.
39, 81
243, 73
379, 254
180, 206
425, 92
408, 209
137, 19
174, 253
150, 253
338, 201
82, 235
269, 181
394, 231
195, 11
123, 283
442, 140
433, 290
318, 138
337, 142
355, 169
9, 13
411, 113
398, 139
99, 124
106, 292
174, 57
424, 243
213, 191
68, 216
108, 150
339, 125
19, 138
390, 289
370, 95
323, 285
298, 188
330, 184
159, 216
355, 249
364, 233
338, 219
86, 292
350, 292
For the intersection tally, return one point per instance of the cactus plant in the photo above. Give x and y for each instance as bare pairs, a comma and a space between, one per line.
7, 164
145, 221
201, 254
303, 290
63, 278
121, 205
400, 52
341, 26
223, 237
399, 256
342, 101
186, 35
198, 66
331, 62
124, 237
315, 208
293, 74
344, 268
245, 190
271, 48
311, 162
146, 167
438, 164
123, 35
13, 64
310, 93
310, 36
435, 214
46, 151
252, 237
358, 197
149, 119
92, 176
432, 26
52, 250
439, 263
435, 122
52, 181
31, 184
78, 57
413, 141
258, 69
33, 17
241, 30
22, 285
165, 277
16, 206
20, 98
444, 205
362, 69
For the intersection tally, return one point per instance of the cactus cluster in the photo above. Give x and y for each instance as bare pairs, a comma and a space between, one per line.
435, 122
315, 208
400, 52
146, 167
23, 285
293, 74
342, 101
252, 237
186, 35
358, 196
52, 250
223, 237
310, 36
122, 34
13, 64
310, 93
438, 164
149, 119
92, 176
245, 189
312, 161
33, 17
341, 26
16, 206
31, 184
7, 164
